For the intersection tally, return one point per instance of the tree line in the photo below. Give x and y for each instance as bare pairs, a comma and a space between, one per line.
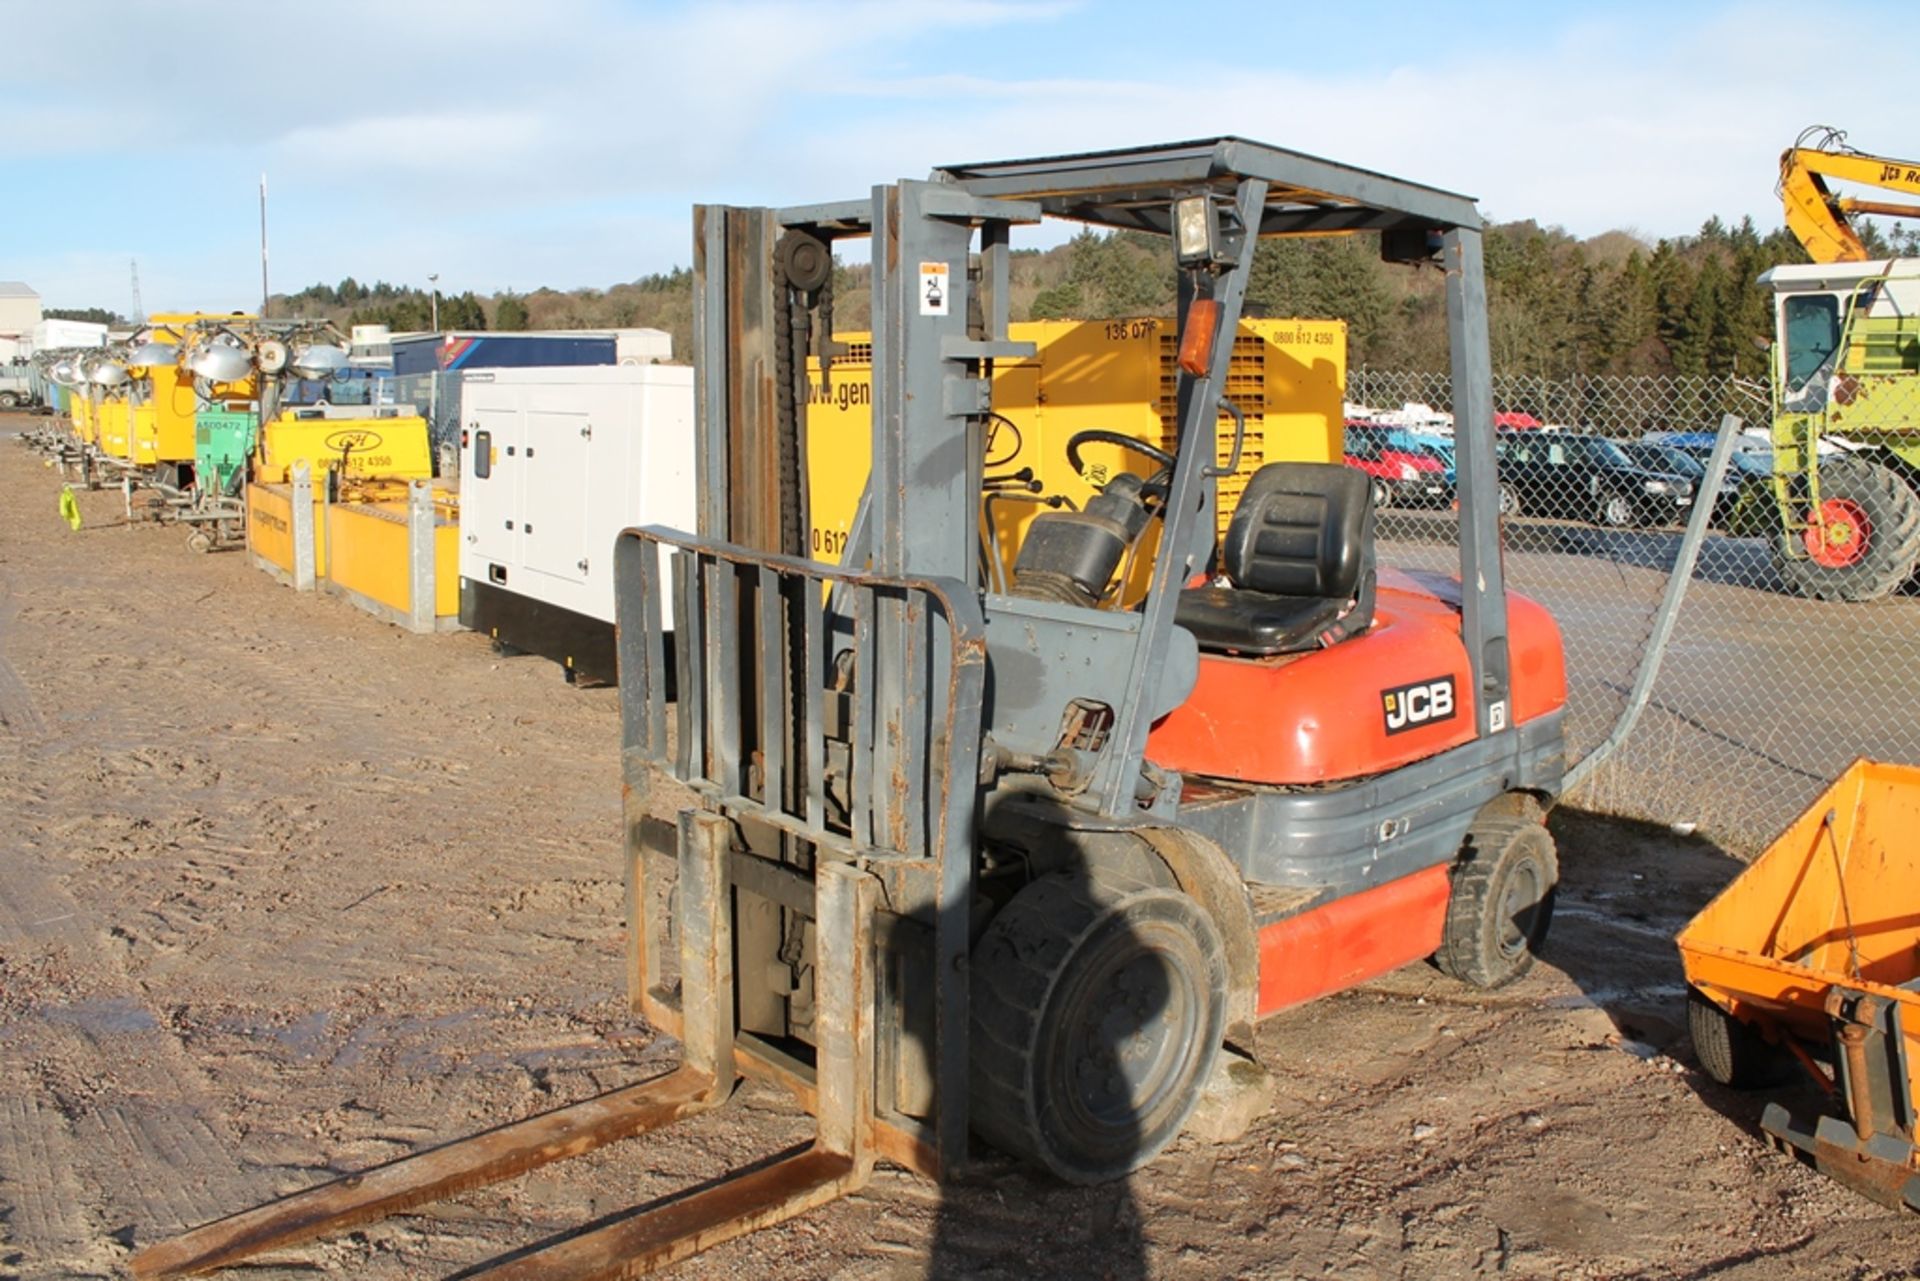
1558, 306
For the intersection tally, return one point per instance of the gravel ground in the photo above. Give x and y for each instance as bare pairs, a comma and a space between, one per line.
285, 891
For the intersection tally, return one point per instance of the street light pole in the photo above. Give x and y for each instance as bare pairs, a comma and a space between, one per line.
434, 281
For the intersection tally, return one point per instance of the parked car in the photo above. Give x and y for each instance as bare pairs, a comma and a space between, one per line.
1586, 478
1403, 474
1746, 494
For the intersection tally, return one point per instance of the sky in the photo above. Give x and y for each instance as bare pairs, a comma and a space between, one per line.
508, 144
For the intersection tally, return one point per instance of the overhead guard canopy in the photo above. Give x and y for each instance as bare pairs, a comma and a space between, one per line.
1132, 189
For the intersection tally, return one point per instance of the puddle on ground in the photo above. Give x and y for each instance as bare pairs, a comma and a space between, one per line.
110, 1016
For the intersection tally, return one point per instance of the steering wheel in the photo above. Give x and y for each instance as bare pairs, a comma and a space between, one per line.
1102, 436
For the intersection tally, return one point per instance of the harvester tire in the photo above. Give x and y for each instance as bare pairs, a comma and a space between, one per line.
1099, 1007
1502, 901
1891, 512
1731, 1052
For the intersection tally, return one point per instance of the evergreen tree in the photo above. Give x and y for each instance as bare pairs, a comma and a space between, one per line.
510, 314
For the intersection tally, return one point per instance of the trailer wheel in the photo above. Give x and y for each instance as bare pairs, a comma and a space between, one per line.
1502, 902
1098, 1010
1867, 539
199, 540
1731, 1052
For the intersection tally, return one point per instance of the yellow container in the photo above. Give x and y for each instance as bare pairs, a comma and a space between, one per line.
270, 529
355, 447
369, 562
84, 424
1817, 946
1843, 879
1288, 377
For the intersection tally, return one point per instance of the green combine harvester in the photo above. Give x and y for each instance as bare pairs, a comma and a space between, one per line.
1846, 426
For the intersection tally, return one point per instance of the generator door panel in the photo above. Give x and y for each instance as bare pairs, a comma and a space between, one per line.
553, 464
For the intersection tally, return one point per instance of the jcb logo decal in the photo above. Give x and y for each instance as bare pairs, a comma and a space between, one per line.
1423, 703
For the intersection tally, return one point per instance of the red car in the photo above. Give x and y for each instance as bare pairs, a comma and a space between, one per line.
1401, 475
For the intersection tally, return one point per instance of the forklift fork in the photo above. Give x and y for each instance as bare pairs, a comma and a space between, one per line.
839, 1161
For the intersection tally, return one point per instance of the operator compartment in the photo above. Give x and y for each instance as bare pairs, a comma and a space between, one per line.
1311, 670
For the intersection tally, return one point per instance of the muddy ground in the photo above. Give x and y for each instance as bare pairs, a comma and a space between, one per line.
285, 891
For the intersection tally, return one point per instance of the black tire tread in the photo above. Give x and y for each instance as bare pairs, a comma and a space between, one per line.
1465, 952
1891, 556
1021, 956
1731, 1052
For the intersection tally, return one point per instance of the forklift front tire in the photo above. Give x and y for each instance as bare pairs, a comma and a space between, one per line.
1097, 1016
1502, 902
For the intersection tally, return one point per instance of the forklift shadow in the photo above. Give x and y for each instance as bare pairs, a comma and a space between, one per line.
1004, 1217
1626, 889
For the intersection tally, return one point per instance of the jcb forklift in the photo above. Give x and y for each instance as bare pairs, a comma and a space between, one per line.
959, 865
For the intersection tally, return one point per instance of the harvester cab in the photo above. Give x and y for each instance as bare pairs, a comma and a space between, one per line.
955, 863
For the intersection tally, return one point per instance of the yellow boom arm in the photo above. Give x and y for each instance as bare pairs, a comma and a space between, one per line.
1821, 220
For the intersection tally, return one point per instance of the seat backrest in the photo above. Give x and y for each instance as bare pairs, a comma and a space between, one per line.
1302, 529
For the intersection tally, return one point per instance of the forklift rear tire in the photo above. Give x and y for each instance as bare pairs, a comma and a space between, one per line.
1731, 1052
1502, 901
1098, 1010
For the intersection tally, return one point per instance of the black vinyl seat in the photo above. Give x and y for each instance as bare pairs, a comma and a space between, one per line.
1299, 560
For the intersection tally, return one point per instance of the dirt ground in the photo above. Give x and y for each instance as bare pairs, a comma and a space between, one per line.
285, 891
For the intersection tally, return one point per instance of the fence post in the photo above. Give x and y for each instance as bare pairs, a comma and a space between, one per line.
302, 519
420, 549
1703, 504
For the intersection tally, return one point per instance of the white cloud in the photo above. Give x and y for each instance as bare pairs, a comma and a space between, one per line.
509, 143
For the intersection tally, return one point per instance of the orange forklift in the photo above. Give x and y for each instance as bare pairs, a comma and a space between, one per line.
959, 865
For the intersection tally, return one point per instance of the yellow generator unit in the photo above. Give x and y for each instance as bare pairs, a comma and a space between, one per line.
85, 423
337, 450
112, 421
1287, 381
164, 401
357, 448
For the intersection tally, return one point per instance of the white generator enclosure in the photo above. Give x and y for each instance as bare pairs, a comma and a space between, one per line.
554, 463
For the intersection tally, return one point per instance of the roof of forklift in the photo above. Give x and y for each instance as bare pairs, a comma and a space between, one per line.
1133, 187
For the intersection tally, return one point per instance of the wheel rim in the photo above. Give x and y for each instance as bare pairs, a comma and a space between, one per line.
1520, 907
1137, 1016
1380, 494
1619, 511
1838, 534
1507, 501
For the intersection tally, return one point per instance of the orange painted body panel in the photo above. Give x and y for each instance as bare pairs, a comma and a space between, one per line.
1321, 716
1350, 940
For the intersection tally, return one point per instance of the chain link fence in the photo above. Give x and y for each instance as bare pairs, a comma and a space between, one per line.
1796, 642
435, 396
